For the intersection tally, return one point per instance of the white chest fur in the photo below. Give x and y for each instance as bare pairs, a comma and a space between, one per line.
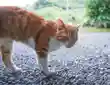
53, 44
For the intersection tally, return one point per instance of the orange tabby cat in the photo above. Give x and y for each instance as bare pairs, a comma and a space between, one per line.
21, 25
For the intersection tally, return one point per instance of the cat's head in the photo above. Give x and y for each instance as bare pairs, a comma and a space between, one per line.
66, 33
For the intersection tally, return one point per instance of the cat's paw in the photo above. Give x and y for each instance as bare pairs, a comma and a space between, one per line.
17, 69
49, 73
14, 69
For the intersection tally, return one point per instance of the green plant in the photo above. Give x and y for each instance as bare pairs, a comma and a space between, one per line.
98, 11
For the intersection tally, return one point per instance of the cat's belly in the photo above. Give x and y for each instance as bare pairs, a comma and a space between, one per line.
53, 43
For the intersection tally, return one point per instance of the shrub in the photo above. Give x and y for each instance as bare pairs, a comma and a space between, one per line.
98, 12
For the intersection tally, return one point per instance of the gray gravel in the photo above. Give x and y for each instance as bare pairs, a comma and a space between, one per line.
87, 63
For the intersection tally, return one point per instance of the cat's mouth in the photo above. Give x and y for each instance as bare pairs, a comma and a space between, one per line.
68, 42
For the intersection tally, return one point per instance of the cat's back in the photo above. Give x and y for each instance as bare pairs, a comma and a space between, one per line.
11, 18
6, 11
18, 23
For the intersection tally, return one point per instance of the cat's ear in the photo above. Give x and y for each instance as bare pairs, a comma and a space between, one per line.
60, 21
75, 26
41, 17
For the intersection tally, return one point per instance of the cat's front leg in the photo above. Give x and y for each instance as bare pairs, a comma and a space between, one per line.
41, 47
43, 65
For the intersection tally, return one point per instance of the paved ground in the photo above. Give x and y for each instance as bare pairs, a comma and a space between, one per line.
87, 63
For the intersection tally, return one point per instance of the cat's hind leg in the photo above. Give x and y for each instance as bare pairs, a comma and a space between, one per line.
6, 49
